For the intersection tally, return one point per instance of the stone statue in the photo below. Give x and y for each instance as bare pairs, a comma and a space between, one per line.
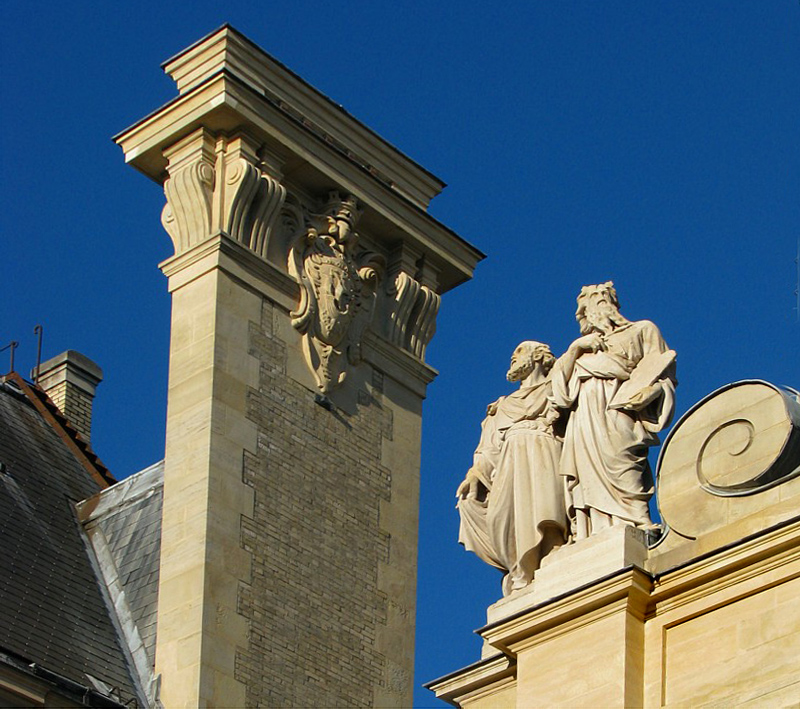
512, 500
618, 381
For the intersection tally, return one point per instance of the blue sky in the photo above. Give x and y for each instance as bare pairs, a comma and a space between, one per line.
655, 144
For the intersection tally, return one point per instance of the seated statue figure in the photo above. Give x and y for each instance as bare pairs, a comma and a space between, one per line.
512, 500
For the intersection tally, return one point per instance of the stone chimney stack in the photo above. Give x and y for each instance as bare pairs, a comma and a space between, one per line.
70, 380
305, 284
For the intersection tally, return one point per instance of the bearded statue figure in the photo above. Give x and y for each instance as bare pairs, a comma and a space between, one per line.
618, 382
512, 501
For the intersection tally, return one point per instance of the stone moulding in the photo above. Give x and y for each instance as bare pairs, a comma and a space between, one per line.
226, 50
655, 604
627, 589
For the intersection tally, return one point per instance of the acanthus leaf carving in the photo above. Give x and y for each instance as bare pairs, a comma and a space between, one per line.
338, 287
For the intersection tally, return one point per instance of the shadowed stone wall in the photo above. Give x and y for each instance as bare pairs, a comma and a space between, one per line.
316, 541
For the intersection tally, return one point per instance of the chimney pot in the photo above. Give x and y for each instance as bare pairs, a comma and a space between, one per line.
70, 380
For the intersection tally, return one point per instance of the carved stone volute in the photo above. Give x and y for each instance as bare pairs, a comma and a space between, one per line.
253, 194
189, 190
222, 184
412, 303
338, 284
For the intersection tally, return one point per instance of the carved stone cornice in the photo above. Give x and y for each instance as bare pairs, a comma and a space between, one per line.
472, 683
397, 363
220, 251
625, 591
224, 104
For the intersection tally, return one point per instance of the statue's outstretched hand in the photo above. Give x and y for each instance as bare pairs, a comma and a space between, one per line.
468, 489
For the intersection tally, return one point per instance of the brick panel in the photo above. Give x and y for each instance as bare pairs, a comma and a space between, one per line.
314, 607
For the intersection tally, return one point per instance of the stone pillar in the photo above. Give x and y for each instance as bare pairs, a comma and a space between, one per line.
70, 380
305, 284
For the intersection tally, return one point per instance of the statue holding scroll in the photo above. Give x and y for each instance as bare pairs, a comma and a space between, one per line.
512, 500
618, 382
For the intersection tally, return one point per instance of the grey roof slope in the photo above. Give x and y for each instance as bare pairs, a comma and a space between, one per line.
123, 524
52, 611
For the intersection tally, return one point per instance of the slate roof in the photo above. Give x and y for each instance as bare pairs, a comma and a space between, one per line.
123, 523
52, 610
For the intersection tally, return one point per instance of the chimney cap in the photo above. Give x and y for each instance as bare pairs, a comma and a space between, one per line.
71, 366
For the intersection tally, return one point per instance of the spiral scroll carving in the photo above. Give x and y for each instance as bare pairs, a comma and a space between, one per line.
732, 439
243, 177
255, 206
267, 212
739, 441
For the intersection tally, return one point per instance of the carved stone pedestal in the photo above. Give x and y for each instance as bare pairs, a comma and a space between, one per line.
575, 566
564, 617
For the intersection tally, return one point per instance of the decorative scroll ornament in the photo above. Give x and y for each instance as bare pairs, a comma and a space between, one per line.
412, 320
337, 290
423, 319
220, 183
255, 206
187, 214
739, 441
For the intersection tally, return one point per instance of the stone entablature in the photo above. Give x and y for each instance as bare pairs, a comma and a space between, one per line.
226, 50
228, 85
259, 153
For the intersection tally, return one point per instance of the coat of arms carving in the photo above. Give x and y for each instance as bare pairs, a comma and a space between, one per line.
338, 284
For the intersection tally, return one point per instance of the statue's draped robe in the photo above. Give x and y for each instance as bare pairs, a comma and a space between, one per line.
604, 459
517, 462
